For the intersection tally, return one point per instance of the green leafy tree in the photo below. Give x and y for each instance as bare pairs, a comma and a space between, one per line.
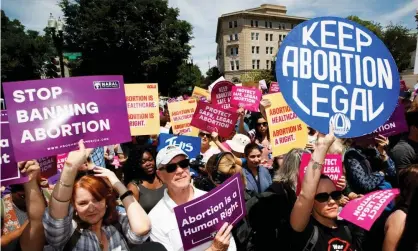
189, 76
374, 27
23, 53
255, 76
213, 73
141, 39
400, 42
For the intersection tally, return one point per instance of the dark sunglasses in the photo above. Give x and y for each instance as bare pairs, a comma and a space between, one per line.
173, 166
201, 134
265, 124
324, 197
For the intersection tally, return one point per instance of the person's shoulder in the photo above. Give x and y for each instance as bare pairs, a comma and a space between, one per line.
396, 218
401, 145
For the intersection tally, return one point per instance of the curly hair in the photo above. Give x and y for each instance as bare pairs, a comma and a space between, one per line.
132, 170
100, 190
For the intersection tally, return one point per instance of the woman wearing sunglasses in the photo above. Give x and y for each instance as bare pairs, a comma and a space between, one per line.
206, 150
315, 211
91, 201
173, 169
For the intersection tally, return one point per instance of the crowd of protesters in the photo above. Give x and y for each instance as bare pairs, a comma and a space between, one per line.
98, 206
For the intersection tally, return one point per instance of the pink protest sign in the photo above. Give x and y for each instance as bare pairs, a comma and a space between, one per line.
48, 166
221, 94
364, 211
333, 168
274, 87
248, 98
211, 118
61, 158
116, 162
201, 218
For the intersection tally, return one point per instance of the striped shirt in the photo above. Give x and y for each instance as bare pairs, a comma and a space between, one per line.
58, 233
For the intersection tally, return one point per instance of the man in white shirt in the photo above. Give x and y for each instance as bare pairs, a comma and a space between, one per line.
173, 169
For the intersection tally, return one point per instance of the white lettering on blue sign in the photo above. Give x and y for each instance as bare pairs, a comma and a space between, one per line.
187, 147
333, 70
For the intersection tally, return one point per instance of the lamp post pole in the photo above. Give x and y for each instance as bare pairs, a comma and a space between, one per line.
57, 27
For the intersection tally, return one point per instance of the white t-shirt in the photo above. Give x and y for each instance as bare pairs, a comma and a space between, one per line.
165, 229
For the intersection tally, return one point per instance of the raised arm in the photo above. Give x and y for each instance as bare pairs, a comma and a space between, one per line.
61, 196
138, 219
33, 237
302, 209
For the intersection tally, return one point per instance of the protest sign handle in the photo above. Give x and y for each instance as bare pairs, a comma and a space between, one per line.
302, 209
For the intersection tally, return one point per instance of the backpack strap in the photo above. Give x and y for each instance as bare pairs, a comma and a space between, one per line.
72, 242
312, 240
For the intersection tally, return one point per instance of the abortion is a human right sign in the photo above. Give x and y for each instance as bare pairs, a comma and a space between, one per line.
333, 70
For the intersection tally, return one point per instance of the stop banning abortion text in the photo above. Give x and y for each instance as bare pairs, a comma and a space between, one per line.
335, 67
56, 113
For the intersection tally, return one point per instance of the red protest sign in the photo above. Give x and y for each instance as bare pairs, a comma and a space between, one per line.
364, 211
248, 98
333, 168
221, 94
211, 118
274, 87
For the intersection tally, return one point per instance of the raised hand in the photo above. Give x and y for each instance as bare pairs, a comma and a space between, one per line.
222, 238
31, 168
107, 175
77, 159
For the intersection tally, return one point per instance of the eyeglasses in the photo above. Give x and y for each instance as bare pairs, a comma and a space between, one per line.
173, 166
202, 134
265, 124
324, 197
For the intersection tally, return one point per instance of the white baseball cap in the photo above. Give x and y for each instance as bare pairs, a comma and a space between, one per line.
166, 154
238, 142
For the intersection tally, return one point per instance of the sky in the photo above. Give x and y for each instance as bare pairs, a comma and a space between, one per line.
203, 15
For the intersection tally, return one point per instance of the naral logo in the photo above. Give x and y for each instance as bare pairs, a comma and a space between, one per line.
342, 124
98, 85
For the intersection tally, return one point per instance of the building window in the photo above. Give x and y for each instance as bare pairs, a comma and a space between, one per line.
265, 24
236, 36
284, 36
253, 64
230, 25
252, 35
267, 64
258, 49
271, 50
271, 24
280, 26
230, 37
267, 50
236, 51
235, 24
280, 37
256, 23
267, 37
232, 65
237, 64
292, 26
258, 64
284, 26
252, 23
271, 37
232, 51
253, 49
256, 36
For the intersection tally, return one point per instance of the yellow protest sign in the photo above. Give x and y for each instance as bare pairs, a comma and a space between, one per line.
143, 111
181, 114
287, 131
200, 92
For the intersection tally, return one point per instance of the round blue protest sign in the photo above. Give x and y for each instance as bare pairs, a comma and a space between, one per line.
333, 70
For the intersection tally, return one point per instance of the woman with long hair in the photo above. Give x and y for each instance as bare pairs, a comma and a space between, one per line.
397, 221
257, 177
91, 201
140, 176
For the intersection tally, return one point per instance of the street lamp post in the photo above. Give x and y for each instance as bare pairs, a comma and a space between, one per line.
189, 63
57, 27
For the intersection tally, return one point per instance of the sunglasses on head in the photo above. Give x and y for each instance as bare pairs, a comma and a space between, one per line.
173, 166
201, 134
324, 197
265, 124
